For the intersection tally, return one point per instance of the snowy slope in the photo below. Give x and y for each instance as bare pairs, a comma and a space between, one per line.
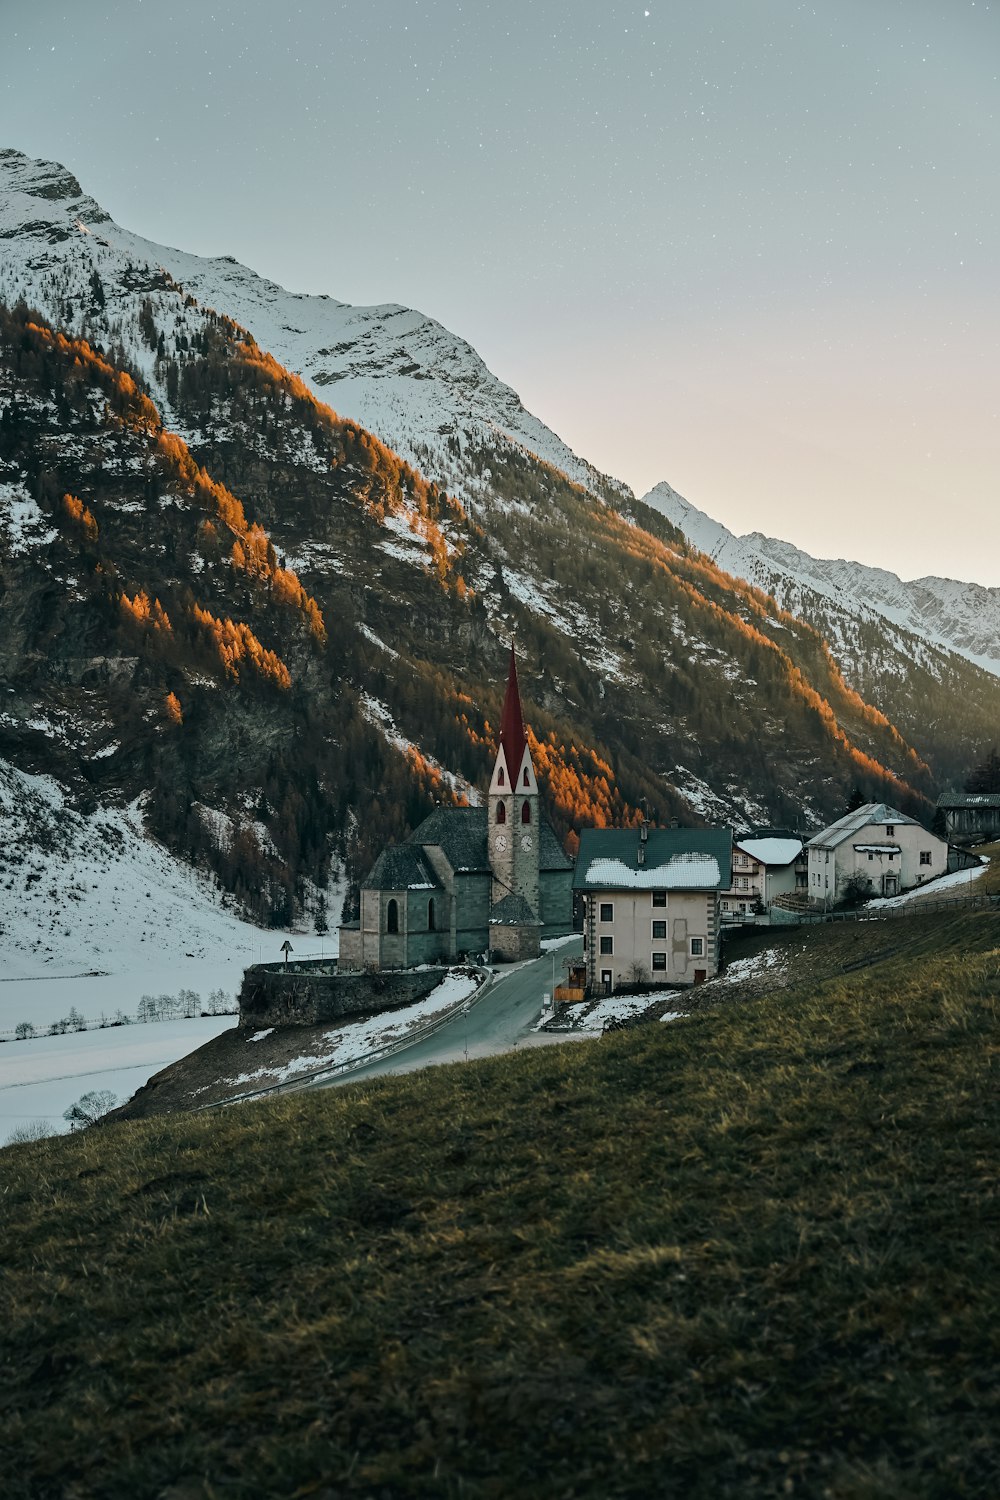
94, 916
962, 617
399, 373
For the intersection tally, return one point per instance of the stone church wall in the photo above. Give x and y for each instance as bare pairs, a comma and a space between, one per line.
307, 994
556, 902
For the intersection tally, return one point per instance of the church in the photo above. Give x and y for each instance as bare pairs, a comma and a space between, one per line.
469, 880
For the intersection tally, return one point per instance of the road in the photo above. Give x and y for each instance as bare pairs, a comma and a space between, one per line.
500, 1020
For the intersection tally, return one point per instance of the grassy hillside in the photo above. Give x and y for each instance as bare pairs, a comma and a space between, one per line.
749, 1253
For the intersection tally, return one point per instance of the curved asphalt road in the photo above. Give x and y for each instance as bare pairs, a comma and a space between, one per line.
500, 1020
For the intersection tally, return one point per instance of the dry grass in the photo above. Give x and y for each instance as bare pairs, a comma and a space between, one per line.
748, 1254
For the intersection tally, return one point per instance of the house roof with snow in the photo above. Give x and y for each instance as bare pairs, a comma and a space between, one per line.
871, 815
669, 859
772, 851
969, 799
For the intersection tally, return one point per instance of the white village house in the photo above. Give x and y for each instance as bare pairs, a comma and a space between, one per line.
651, 903
763, 868
885, 848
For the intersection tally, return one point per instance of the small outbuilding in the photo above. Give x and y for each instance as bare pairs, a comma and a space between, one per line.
970, 817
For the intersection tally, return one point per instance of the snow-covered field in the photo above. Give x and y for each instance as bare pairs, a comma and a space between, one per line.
93, 917
40, 1079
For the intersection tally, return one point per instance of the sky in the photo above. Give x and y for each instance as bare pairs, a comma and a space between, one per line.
746, 246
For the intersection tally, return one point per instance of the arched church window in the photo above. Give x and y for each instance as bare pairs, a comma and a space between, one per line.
525, 812
431, 924
526, 782
501, 778
501, 813
392, 916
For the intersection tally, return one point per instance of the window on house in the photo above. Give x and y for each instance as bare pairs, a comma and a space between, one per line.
659, 898
697, 947
431, 924
890, 829
925, 856
659, 930
501, 813
659, 962
740, 882
607, 945
392, 916
891, 858
725, 906
870, 857
525, 812
607, 913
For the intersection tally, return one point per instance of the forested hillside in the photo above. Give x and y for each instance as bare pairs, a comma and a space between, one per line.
291, 643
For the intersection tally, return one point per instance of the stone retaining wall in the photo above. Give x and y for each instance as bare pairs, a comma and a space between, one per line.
307, 994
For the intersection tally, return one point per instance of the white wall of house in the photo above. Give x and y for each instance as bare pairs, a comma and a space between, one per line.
893, 857
754, 881
650, 936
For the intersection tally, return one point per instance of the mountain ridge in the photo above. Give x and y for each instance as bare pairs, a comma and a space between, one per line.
166, 559
963, 617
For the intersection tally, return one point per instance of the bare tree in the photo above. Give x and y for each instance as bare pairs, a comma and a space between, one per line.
90, 1108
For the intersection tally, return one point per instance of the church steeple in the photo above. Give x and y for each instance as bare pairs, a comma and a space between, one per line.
514, 831
512, 735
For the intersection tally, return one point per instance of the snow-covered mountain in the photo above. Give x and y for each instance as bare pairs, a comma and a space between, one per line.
421, 389
600, 589
962, 617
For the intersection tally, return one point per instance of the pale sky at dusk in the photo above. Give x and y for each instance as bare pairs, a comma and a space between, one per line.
748, 246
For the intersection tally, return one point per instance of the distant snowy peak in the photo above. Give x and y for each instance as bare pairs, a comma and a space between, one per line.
962, 617
421, 389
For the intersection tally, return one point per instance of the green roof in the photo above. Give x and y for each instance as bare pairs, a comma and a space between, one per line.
671, 859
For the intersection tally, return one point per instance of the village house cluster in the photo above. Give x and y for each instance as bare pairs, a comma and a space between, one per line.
495, 881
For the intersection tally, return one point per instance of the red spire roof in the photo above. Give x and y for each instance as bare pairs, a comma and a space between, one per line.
512, 735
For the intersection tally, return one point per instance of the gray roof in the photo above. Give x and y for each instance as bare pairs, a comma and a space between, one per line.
969, 799
513, 911
872, 813
551, 854
460, 832
674, 859
401, 867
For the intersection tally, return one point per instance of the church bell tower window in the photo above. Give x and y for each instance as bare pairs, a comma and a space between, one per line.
525, 812
501, 812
